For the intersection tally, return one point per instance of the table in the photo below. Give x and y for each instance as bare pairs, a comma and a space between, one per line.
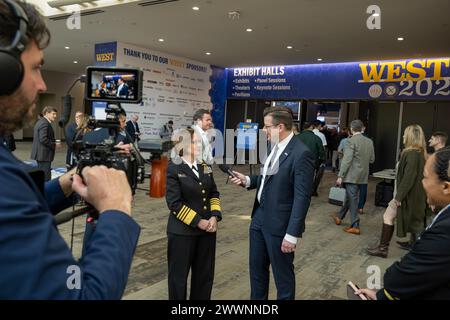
386, 174
385, 190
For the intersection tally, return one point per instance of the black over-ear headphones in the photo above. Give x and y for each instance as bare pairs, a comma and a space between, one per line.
11, 67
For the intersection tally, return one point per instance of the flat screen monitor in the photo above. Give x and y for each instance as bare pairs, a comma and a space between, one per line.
98, 110
293, 105
114, 85
247, 135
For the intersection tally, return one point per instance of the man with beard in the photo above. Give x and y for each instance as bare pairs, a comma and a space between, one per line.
35, 260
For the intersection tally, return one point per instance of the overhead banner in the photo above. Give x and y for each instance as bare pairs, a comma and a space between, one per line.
414, 79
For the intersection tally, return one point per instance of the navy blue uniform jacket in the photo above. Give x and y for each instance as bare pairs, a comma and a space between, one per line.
287, 194
423, 273
34, 258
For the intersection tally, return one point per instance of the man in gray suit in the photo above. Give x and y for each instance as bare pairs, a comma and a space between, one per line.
44, 144
358, 154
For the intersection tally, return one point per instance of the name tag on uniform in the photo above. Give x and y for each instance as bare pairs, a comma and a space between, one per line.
182, 175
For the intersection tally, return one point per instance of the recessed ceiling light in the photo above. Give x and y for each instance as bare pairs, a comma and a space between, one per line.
376, 15
161, 40
319, 59
400, 38
249, 30
75, 61
208, 53
289, 47
195, 8
67, 48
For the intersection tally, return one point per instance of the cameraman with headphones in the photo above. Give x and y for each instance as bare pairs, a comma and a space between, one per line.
36, 263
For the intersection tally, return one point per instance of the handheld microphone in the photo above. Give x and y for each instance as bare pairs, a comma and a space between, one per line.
226, 169
67, 216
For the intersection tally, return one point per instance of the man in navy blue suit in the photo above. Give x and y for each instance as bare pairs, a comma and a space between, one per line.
122, 89
280, 207
36, 262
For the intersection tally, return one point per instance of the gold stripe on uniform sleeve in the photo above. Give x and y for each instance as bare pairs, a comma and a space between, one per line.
215, 204
179, 214
186, 214
190, 216
182, 212
186, 211
388, 295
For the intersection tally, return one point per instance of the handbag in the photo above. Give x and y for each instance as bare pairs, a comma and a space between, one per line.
336, 196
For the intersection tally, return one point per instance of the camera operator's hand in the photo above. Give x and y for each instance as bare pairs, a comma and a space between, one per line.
104, 188
65, 181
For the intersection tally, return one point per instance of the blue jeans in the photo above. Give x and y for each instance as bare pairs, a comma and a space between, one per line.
362, 195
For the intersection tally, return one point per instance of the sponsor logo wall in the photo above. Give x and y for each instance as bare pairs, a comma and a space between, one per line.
173, 87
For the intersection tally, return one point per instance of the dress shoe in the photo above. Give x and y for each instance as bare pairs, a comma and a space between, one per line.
405, 245
352, 230
360, 211
337, 221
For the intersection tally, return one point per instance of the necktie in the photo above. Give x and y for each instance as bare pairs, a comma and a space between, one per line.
272, 159
194, 169
267, 172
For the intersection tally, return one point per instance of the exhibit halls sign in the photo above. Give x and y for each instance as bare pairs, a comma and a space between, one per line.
412, 79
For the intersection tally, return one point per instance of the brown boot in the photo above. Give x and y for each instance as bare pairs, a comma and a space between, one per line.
383, 248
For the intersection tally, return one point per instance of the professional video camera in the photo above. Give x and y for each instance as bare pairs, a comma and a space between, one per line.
121, 85
106, 153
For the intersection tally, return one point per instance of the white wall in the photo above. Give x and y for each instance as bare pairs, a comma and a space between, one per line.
57, 85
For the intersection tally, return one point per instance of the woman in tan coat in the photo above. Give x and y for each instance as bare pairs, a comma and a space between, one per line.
409, 204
